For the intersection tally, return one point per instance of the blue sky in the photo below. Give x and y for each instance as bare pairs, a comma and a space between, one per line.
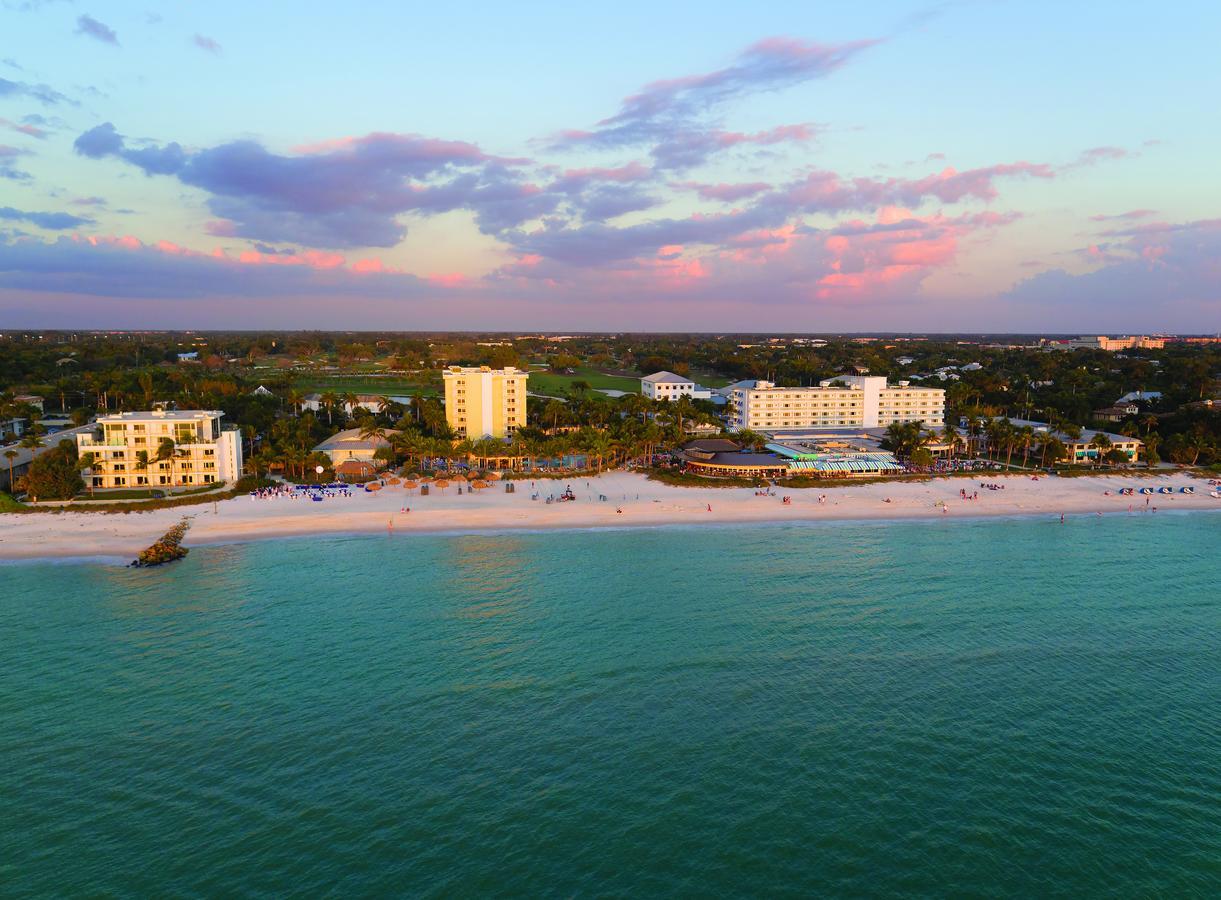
829, 166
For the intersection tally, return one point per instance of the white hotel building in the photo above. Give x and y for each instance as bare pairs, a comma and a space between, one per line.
865, 402
668, 386
204, 453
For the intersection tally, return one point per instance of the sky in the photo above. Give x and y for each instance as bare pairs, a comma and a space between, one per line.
805, 166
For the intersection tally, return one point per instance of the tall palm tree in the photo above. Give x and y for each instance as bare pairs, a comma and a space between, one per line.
295, 399
1053, 450
87, 461
1102, 443
10, 454
1026, 435
165, 453
141, 464
950, 435
329, 401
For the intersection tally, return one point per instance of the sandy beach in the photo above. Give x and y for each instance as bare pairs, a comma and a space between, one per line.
643, 503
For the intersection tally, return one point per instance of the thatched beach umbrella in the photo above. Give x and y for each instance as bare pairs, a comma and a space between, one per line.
410, 485
394, 481
479, 484
493, 476
441, 483
458, 476
373, 486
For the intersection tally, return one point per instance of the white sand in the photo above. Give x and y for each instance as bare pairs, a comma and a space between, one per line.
644, 503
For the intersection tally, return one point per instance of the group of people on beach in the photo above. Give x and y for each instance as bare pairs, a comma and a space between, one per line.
293, 492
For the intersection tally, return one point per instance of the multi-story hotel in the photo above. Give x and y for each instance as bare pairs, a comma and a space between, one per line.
484, 402
863, 401
128, 449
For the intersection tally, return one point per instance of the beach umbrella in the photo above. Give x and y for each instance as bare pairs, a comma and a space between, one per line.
410, 485
479, 484
493, 476
394, 481
441, 483
374, 486
458, 477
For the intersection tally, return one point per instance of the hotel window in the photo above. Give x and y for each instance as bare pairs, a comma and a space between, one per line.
120, 481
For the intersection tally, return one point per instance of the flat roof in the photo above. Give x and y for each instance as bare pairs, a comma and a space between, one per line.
158, 415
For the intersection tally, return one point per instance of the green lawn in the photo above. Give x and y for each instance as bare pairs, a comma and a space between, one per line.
355, 384
551, 383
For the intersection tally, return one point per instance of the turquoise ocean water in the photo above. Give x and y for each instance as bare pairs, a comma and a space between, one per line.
997, 708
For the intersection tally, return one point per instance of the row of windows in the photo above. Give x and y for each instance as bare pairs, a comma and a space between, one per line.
139, 480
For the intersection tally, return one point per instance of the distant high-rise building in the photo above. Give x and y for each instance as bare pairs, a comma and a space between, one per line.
1101, 342
485, 402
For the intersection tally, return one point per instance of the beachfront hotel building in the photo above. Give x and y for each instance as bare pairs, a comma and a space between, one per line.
125, 447
484, 402
849, 400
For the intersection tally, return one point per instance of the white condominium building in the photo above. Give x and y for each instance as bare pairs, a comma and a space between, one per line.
484, 402
668, 386
863, 401
161, 448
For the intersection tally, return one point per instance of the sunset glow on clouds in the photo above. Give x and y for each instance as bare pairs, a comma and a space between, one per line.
784, 178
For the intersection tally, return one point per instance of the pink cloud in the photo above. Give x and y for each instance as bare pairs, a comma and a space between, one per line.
725, 193
1130, 214
449, 279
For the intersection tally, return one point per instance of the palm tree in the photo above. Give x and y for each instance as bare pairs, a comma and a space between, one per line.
1152, 458
599, 445
372, 431
295, 399
950, 435
553, 410
1026, 435
141, 464
1053, 450
10, 454
1102, 443
329, 401
165, 452
86, 461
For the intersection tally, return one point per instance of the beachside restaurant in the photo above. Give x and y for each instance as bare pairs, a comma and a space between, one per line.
835, 461
719, 458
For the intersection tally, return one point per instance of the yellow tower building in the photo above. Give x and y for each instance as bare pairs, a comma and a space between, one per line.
485, 402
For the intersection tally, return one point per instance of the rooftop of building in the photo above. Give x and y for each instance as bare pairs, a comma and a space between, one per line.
351, 439
159, 415
480, 370
666, 378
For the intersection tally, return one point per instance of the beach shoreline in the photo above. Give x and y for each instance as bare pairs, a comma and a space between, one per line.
645, 504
